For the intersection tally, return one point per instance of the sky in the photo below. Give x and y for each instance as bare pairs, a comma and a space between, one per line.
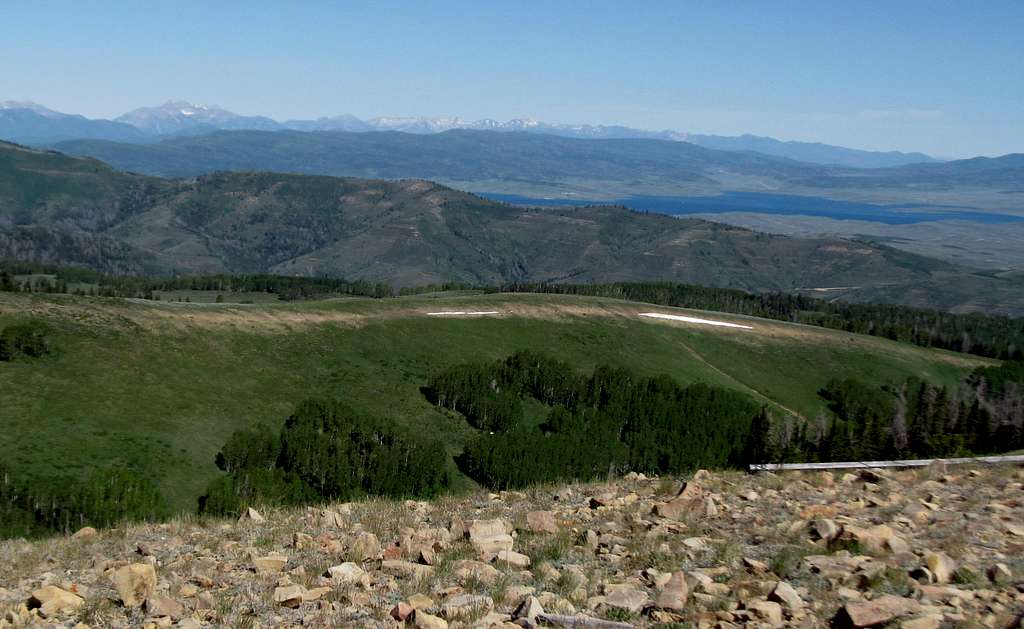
945, 78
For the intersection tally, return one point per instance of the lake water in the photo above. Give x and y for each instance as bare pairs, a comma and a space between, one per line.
783, 204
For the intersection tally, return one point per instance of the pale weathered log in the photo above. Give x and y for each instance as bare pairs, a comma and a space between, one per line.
856, 465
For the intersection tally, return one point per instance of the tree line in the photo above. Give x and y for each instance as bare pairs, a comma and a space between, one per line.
79, 281
984, 414
325, 451
106, 498
597, 424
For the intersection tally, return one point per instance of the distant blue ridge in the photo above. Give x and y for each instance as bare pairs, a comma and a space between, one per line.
781, 204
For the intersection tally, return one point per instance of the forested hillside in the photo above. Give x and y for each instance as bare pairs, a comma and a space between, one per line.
60, 210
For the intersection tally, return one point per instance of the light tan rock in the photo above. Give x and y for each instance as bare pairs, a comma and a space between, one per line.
423, 620
941, 565
768, 611
86, 532
52, 601
251, 515
489, 537
467, 568
402, 568
625, 596
689, 500
826, 530
541, 522
158, 606
270, 564
289, 595
134, 583
884, 609
674, 594
420, 601
346, 573
933, 621
402, 611
366, 547
514, 559
787, 596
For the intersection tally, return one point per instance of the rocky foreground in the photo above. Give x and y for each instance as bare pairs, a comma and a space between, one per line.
912, 549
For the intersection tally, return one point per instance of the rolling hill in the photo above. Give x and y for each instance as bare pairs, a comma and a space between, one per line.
157, 387
59, 209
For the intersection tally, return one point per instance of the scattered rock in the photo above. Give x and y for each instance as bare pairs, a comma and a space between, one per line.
366, 548
86, 532
674, 594
52, 601
768, 611
785, 594
289, 595
884, 609
158, 606
514, 559
541, 522
402, 611
625, 596
134, 583
423, 620
529, 609
346, 573
271, 564
489, 537
251, 515
940, 565
465, 605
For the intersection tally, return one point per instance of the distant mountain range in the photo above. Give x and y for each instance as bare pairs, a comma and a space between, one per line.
30, 123
64, 210
534, 165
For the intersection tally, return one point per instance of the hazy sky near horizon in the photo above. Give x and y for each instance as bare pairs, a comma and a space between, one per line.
946, 78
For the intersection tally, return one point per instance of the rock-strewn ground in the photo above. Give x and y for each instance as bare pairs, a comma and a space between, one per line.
912, 549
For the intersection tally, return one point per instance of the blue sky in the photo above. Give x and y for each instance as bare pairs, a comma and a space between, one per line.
941, 77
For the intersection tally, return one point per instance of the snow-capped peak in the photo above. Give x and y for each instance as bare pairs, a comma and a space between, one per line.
34, 107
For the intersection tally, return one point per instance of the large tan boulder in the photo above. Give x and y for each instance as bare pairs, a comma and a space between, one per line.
674, 593
289, 595
878, 611
52, 601
490, 537
271, 564
134, 583
366, 547
784, 594
625, 596
941, 566
541, 522
689, 500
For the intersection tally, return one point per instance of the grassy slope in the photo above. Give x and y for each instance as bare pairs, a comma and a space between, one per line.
159, 386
